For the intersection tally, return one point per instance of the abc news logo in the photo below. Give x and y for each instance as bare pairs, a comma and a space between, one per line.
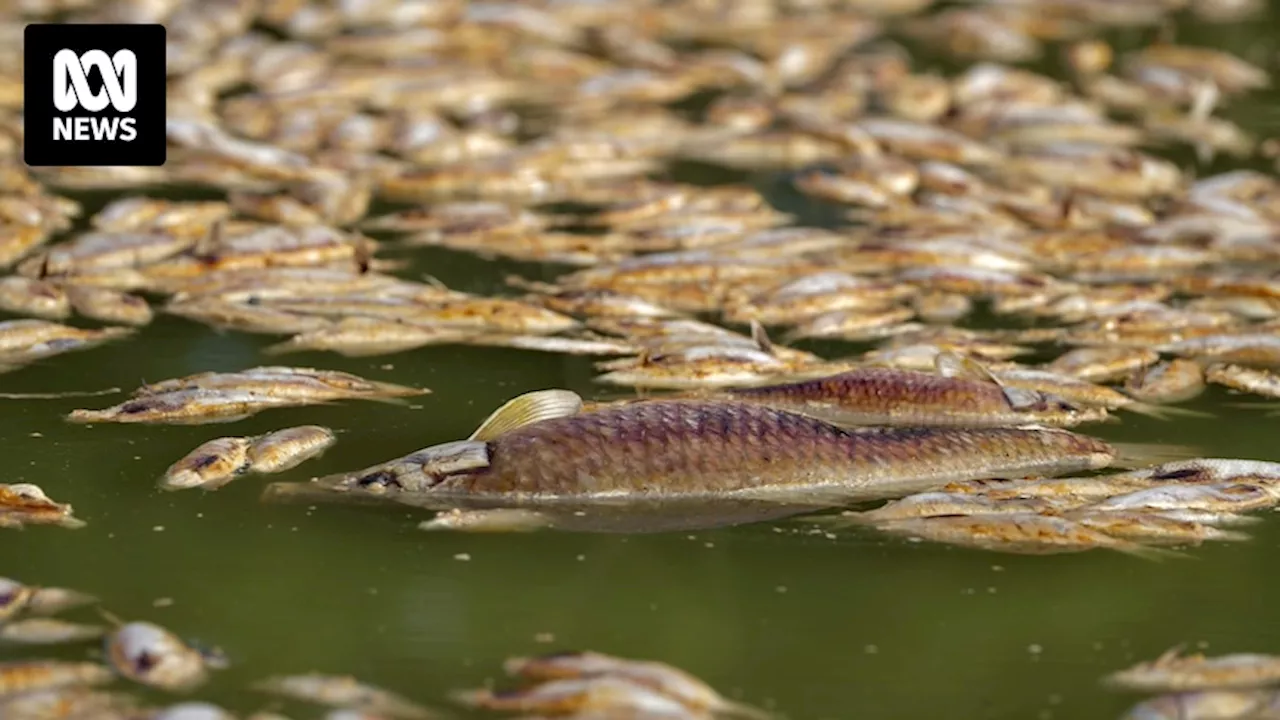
94, 95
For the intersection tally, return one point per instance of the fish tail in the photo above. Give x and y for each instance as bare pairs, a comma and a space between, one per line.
281, 348
1165, 412
1139, 455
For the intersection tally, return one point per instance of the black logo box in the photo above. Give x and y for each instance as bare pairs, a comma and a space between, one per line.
40, 43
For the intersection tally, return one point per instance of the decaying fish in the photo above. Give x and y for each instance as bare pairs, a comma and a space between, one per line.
540, 446
1208, 705
1175, 672
150, 655
48, 631
343, 691
24, 504
1250, 380
1172, 381
211, 465
285, 449
1027, 533
886, 396
19, 677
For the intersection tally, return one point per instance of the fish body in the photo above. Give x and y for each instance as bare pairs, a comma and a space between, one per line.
1174, 672
688, 449
286, 449
887, 396
211, 465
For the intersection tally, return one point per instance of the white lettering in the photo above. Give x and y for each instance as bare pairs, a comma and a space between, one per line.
119, 80
62, 128
82, 128
127, 130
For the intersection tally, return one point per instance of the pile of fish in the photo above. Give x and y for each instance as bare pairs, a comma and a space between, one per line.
1242, 686
1177, 503
594, 685
217, 397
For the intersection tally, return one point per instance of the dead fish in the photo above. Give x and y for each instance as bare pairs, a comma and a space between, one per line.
1153, 527
109, 305
673, 682
940, 502
192, 711
489, 520
539, 446
300, 383
1258, 382
364, 337
343, 691
1251, 349
1217, 497
27, 504
74, 702
1102, 365
1172, 381
1081, 392
1025, 533
150, 655
286, 449
23, 341
1207, 705
48, 631
53, 600
28, 676
37, 298
14, 597
185, 407
210, 466
1175, 672
578, 695
887, 396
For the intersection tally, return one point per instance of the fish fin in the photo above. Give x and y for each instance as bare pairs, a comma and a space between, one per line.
1139, 455
528, 409
207, 246
954, 365
493, 520
761, 338
1165, 412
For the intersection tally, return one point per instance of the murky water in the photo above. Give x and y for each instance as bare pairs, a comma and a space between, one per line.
858, 626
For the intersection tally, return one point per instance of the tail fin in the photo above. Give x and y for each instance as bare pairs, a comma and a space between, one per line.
1139, 455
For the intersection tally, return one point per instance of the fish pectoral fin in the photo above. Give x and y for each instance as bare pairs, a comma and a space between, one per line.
528, 409
954, 365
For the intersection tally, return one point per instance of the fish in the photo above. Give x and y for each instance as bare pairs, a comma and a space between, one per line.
1217, 497
1151, 527
27, 504
887, 396
342, 691
1207, 705
605, 694
150, 655
541, 446
286, 449
300, 383
690, 691
18, 677
1023, 533
48, 631
1244, 379
184, 407
211, 465
1175, 672
1171, 381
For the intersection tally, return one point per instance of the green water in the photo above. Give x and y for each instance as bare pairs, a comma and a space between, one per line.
859, 626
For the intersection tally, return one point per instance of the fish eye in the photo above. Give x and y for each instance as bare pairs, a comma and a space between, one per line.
381, 480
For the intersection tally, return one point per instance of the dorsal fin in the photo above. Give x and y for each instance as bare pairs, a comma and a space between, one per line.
761, 337
954, 365
528, 409
207, 247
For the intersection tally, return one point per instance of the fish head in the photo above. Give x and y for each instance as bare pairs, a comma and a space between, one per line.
420, 471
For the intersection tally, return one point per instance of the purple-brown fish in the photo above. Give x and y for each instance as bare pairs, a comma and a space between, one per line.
542, 447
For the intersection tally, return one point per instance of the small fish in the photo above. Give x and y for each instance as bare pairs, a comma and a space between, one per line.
53, 600
1103, 365
1218, 497
885, 396
343, 691
489, 520
300, 383
1258, 382
286, 449
210, 466
185, 407
48, 631
192, 711
673, 682
1207, 705
28, 676
37, 298
26, 504
1171, 381
1153, 527
939, 503
1175, 672
1023, 533
364, 337
150, 655
1253, 349
597, 694
73, 702
107, 305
